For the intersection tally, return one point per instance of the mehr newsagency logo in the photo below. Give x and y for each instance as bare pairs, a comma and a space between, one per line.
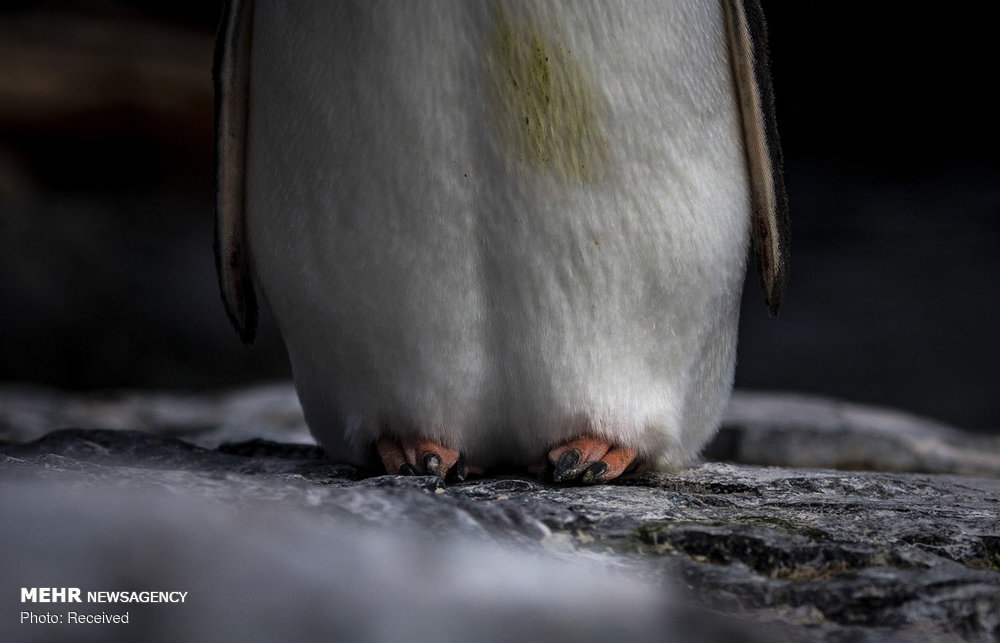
76, 595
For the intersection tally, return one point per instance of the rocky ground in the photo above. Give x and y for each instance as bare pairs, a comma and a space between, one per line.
225, 497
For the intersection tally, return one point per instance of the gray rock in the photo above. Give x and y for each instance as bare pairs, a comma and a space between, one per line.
785, 429
265, 411
273, 540
271, 573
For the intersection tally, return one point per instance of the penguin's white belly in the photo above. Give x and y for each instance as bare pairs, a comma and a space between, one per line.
500, 226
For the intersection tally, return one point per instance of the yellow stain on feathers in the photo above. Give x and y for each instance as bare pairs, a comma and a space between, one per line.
542, 106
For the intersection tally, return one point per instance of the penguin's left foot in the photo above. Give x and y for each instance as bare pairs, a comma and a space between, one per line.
589, 460
420, 457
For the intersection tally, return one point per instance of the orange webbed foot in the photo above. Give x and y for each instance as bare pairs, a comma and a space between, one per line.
589, 460
419, 456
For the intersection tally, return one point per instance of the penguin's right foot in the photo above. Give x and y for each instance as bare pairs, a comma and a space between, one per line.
589, 460
420, 457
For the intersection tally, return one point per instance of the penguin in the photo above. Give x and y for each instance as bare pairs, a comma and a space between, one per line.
500, 235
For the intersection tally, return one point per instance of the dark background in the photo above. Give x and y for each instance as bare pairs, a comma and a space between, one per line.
887, 121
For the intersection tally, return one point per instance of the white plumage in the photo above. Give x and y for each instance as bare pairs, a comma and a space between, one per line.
498, 226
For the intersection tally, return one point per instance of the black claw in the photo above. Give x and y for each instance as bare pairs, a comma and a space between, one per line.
566, 465
432, 464
594, 473
407, 469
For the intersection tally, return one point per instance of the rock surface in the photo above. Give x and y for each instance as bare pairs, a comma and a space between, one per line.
272, 540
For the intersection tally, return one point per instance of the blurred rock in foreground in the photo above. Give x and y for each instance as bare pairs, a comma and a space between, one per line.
274, 541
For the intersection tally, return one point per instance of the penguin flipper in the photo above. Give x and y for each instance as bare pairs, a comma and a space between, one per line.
231, 73
748, 52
